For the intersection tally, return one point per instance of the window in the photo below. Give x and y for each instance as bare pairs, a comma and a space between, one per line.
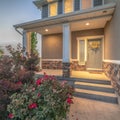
81, 51
68, 6
60, 6
97, 2
86, 4
44, 11
53, 9
76, 5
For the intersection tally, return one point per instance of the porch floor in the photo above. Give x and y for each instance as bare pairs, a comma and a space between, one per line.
76, 74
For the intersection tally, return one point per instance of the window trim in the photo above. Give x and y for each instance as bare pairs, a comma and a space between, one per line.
49, 9
64, 7
78, 53
86, 39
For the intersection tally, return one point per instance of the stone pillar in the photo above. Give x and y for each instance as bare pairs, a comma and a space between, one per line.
66, 50
66, 69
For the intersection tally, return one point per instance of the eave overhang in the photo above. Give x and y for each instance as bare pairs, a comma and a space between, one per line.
105, 11
40, 3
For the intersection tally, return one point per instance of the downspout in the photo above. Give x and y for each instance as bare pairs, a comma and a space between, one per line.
23, 40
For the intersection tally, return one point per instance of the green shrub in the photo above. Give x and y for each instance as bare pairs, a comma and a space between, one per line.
46, 99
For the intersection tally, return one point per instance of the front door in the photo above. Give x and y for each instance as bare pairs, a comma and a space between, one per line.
94, 54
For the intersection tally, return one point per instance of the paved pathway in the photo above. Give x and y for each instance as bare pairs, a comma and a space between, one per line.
85, 109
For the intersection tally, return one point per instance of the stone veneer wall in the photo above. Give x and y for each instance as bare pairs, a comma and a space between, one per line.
66, 69
75, 66
52, 64
59, 65
113, 72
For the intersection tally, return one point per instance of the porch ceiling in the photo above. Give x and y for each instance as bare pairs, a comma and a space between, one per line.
97, 17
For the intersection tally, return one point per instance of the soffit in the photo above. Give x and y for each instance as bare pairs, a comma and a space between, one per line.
97, 16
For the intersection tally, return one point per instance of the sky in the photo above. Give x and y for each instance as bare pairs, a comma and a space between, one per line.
15, 12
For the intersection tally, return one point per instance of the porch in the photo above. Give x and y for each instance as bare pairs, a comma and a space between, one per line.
76, 74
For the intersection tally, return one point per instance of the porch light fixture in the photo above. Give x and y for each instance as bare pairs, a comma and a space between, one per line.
46, 30
87, 23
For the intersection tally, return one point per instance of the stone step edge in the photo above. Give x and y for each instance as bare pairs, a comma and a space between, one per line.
106, 99
93, 84
106, 94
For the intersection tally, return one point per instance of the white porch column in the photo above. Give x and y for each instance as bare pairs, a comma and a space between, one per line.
39, 48
66, 49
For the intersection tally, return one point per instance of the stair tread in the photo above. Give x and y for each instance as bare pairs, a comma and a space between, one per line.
106, 94
93, 84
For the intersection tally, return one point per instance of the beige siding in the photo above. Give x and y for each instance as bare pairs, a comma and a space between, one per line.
84, 33
112, 36
52, 46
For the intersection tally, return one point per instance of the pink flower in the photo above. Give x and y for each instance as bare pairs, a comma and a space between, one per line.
38, 82
19, 83
52, 77
63, 83
69, 101
69, 95
38, 94
33, 89
32, 106
10, 116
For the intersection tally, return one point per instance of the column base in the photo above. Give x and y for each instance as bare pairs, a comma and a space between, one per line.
66, 69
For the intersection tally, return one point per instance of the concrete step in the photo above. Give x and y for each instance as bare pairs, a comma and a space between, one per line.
98, 81
105, 82
94, 87
96, 95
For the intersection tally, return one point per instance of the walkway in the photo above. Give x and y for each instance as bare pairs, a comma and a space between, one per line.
89, 109
85, 109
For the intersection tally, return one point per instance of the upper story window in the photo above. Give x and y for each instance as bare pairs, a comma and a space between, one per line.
76, 5
68, 6
44, 11
97, 2
53, 9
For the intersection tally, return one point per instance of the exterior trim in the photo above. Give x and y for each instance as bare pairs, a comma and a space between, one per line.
112, 61
74, 59
109, 6
49, 9
51, 59
94, 69
86, 38
66, 42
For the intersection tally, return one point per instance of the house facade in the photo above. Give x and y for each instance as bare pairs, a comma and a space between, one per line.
77, 35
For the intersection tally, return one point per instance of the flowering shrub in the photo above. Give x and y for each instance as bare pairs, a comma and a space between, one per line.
46, 99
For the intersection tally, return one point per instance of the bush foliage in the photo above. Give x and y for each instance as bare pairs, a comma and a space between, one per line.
46, 99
